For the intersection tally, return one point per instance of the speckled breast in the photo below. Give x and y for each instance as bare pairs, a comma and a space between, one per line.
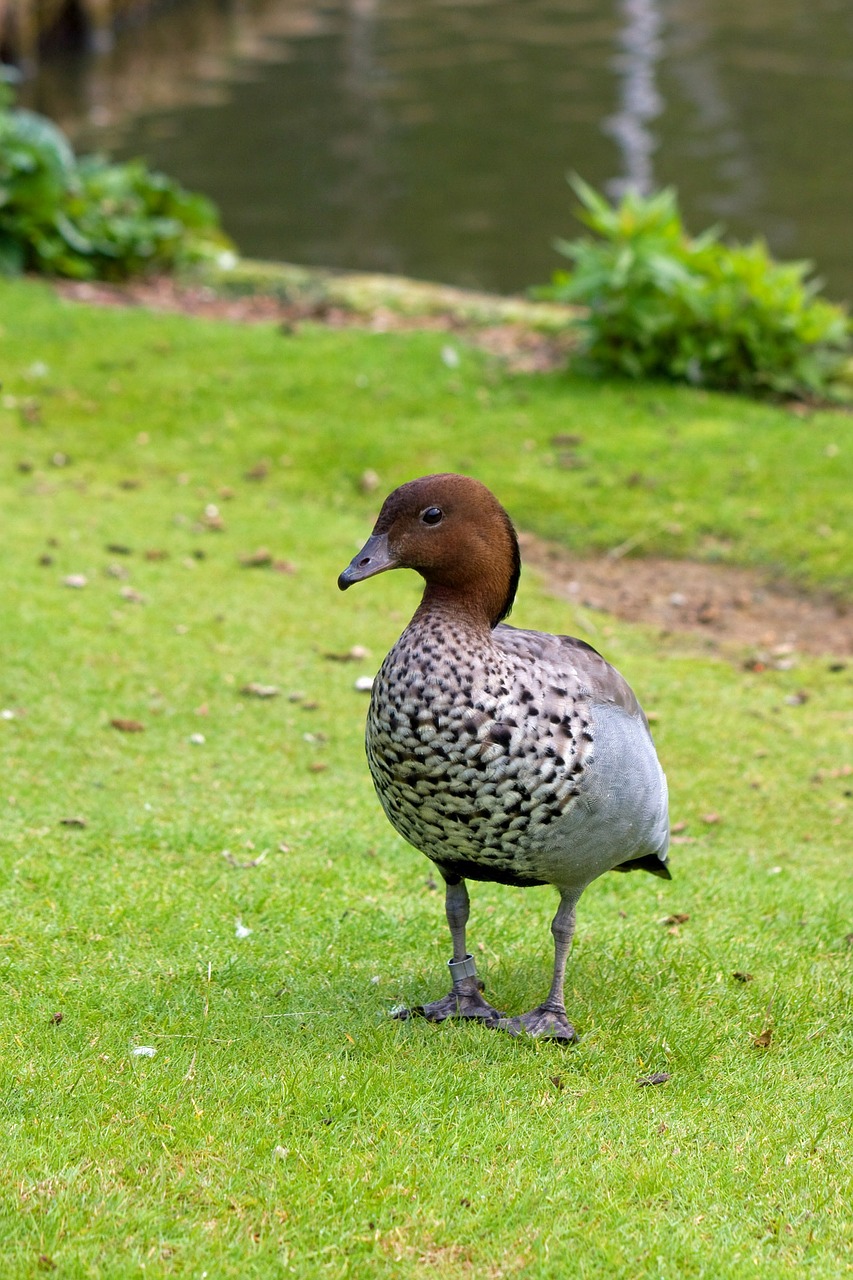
472, 758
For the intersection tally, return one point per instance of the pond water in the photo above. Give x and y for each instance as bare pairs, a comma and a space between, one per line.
432, 138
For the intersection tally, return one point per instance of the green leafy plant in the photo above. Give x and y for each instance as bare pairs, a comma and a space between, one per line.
664, 304
88, 218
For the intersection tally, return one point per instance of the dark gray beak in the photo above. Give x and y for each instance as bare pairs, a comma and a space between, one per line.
374, 557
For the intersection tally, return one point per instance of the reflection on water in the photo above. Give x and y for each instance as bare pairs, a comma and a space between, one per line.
639, 101
432, 137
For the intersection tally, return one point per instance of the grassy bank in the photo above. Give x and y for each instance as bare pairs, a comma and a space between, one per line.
590, 464
284, 1125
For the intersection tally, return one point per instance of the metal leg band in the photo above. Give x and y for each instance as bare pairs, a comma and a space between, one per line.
459, 969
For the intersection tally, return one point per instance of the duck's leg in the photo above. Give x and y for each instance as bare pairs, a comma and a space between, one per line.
549, 1020
464, 1000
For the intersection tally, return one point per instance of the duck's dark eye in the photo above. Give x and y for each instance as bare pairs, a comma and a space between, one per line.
432, 515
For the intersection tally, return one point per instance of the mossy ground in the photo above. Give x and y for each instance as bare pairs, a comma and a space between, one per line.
286, 1125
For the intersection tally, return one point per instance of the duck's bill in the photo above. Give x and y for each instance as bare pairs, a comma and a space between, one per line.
374, 557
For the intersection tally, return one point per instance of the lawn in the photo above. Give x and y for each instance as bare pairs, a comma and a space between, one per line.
220, 889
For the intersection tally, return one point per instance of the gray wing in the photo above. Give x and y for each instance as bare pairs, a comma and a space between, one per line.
621, 787
586, 676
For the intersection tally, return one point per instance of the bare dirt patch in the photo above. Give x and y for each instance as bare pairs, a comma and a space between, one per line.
727, 608
520, 347
737, 611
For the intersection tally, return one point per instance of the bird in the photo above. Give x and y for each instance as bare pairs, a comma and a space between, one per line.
502, 754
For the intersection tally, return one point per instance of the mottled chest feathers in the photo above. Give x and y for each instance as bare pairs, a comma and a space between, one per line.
469, 761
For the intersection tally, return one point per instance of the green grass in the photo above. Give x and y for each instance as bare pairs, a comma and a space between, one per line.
286, 1125
674, 470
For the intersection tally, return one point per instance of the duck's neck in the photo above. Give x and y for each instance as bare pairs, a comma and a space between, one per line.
470, 610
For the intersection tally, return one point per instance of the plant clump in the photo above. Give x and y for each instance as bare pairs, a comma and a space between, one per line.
88, 218
664, 304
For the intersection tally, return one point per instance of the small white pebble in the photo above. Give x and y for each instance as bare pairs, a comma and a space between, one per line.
774, 871
280, 1153
77, 580
7, 714
450, 357
38, 369
358, 652
375, 979
363, 684
677, 600
240, 930
197, 739
144, 1051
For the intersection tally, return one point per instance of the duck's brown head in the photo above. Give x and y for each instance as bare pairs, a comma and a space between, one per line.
456, 534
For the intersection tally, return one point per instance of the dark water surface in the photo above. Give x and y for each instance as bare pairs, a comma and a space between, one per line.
432, 137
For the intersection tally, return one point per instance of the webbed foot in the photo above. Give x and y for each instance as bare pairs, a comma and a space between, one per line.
544, 1022
464, 1001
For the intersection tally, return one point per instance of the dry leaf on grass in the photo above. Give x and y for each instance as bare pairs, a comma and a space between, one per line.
243, 866
259, 559
212, 520
356, 654
127, 726
255, 690
660, 1077
73, 822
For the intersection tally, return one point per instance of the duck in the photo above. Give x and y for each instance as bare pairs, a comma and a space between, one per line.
502, 754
